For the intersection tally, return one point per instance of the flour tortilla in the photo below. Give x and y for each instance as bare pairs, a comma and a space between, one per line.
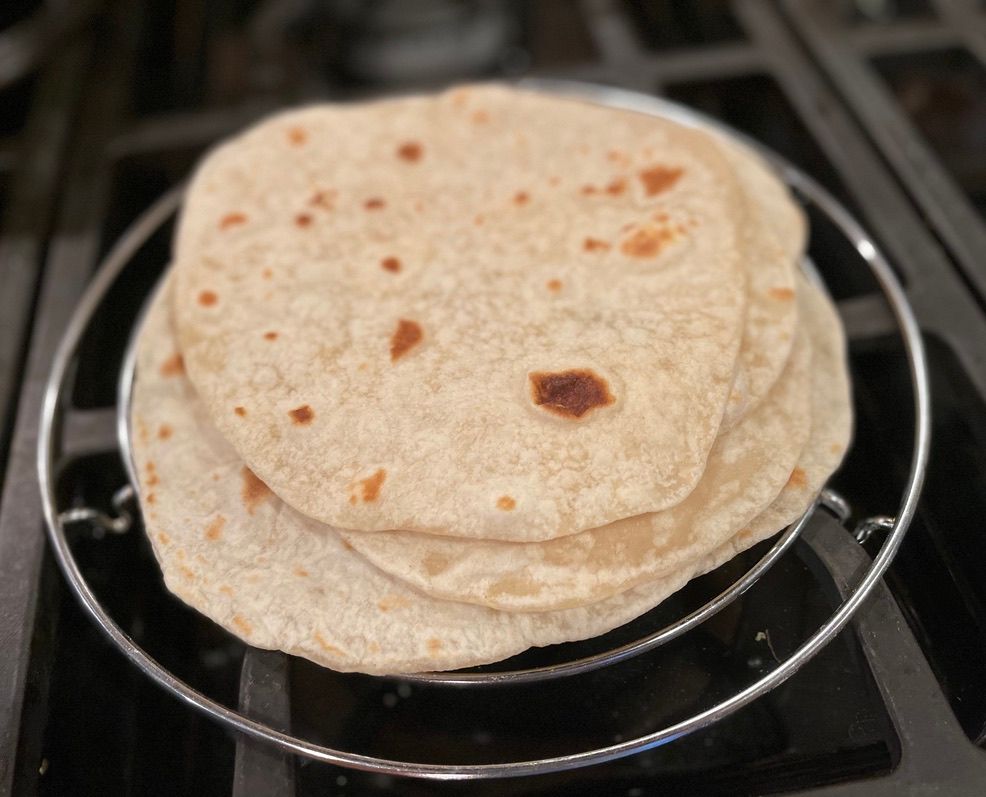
287, 330
231, 549
775, 245
746, 470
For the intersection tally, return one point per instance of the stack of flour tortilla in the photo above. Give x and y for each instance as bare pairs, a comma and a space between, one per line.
437, 379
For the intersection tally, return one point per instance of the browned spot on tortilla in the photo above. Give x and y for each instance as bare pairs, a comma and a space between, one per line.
554, 180
410, 151
163, 538
152, 478
835, 448
617, 156
322, 199
173, 366
388, 602
798, 478
300, 572
242, 625
241, 411
434, 645
391, 264
661, 216
186, 572
369, 488
588, 190
479, 219
227, 590
570, 394
521, 198
506, 503
208, 298
659, 178
374, 203
232, 220
646, 241
215, 529
303, 220
346, 545
595, 245
553, 285
781, 294
480, 117
616, 187
266, 273
270, 335
745, 534
164, 431
254, 490
407, 335
297, 136
151, 498
435, 563
328, 646
302, 415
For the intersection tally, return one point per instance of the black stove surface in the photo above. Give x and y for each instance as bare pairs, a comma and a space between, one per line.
115, 107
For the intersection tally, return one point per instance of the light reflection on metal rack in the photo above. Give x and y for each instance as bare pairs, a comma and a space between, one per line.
811, 192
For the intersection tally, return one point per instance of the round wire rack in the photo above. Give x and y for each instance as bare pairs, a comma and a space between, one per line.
809, 192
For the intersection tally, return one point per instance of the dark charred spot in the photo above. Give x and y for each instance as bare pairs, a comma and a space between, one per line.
270, 335
374, 203
570, 394
647, 241
254, 490
164, 431
659, 178
391, 264
595, 245
407, 335
241, 411
173, 366
506, 503
208, 298
410, 151
303, 220
297, 136
302, 415
521, 198
232, 220
553, 285
616, 187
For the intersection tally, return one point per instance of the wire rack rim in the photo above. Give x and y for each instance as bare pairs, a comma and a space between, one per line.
131, 242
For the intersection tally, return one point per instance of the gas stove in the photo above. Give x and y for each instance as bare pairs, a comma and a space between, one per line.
108, 105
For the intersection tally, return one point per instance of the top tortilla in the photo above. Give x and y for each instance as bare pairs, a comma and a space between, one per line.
488, 313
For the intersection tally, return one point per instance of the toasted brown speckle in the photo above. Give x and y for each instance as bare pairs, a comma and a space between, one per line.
521, 198
254, 491
173, 366
322, 199
388, 602
303, 220
272, 335
647, 241
163, 538
232, 220
266, 273
616, 187
391, 264
300, 572
781, 294
368, 489
242, 625
164, 431
595, 245
480, 117
151, 498
327, 646
506, 503
434, 646
374, 203
553, 285
588, 190
407, 335
227, 590
798, 478
241, 411
297, 136
215, 528
208, 298
410, 151
303, 415
659, 178
570, 394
